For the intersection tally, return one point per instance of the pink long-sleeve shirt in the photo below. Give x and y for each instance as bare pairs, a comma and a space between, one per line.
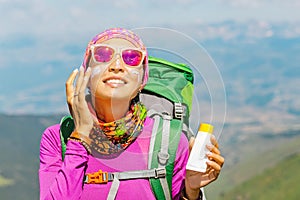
64, 179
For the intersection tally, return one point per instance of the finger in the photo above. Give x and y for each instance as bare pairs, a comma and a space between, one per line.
70, 85
70, 90
208, 169
213, 174
216, 158
79, 80
213, 149
214, 141
214, 165
84, 84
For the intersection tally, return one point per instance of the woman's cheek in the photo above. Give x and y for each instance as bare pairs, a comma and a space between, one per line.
137, 74
95, 78
96, 71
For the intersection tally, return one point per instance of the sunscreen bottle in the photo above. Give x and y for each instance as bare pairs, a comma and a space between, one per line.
197, 159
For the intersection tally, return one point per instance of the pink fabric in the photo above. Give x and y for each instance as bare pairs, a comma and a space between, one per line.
63, 179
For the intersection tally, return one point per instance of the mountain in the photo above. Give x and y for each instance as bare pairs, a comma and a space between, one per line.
19, 147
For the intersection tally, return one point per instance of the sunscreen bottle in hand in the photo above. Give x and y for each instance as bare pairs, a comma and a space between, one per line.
197, 159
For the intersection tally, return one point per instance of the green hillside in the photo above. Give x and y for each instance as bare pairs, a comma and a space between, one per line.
279, 182
259, 156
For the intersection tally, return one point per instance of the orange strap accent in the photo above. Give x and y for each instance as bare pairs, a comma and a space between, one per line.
97, 177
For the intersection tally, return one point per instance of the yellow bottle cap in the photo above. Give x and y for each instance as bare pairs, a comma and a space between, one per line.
206, 128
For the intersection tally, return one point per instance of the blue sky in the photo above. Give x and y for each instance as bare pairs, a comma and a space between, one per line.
42, 41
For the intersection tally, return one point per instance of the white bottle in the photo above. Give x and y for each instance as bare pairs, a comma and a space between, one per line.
197, 159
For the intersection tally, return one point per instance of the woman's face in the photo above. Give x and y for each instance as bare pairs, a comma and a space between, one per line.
114, 79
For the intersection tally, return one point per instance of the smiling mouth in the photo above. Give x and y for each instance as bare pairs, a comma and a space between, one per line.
115, 81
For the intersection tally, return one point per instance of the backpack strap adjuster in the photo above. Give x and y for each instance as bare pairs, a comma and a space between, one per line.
178, 110
97, 177
160, 172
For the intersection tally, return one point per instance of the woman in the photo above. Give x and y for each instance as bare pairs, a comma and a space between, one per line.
112, 131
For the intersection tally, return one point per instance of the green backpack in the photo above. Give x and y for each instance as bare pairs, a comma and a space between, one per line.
168, 98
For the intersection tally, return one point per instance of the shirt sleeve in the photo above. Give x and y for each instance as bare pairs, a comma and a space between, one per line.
182, 155
61, 179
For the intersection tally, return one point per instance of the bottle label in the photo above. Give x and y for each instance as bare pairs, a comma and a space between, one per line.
197, 159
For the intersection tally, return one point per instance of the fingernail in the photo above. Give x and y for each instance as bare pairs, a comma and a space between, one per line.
81, 68
75, 70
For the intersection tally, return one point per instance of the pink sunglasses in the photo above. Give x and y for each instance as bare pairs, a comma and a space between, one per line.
103, 53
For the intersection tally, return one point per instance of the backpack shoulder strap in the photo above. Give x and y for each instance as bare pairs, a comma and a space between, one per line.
66, 128
162, 152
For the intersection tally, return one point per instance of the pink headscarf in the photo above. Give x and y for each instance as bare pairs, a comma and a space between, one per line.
118, 33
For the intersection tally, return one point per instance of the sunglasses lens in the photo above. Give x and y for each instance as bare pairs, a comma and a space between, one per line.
103, 54
132, 57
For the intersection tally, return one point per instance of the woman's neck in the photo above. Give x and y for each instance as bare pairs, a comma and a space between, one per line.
109, 111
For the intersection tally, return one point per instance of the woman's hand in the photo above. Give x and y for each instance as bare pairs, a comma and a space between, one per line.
195, 180
76, 101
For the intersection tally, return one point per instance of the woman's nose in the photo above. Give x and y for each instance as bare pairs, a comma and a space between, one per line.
117, 65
